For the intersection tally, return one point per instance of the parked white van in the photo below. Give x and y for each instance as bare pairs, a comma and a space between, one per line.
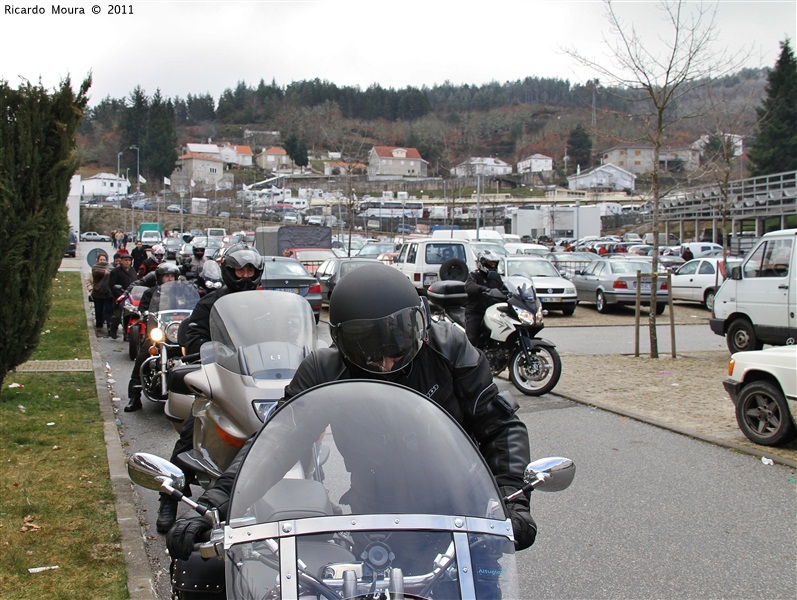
422, 260
757, 305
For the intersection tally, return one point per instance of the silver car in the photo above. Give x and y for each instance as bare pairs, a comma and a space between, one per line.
555, 292
606, 283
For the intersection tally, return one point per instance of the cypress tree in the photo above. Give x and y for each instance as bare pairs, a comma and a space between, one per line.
37, 161
579, 148
774, 149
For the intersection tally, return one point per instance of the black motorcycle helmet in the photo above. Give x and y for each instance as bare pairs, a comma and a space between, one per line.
488, 261
239, 256
199, 250
377, 320
166, 268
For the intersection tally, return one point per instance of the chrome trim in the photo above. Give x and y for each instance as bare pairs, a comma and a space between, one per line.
289, 581
467, 584
251, 533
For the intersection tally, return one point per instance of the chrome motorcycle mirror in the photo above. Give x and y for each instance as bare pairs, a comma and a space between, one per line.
150, 471
551, 474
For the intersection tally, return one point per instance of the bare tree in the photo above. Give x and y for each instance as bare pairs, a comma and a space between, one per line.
658, 71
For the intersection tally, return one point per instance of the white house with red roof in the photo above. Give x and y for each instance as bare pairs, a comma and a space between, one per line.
202, 169
274, 159
394, 162
236, 155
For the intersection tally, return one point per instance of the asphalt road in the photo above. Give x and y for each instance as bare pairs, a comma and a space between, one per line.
651, 514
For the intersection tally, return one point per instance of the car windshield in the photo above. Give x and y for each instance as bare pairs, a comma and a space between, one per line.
531, 268
284, 268
630, 266
348, 266
314, 254
376, 249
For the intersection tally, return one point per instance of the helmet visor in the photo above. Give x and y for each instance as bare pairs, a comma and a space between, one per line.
382, 345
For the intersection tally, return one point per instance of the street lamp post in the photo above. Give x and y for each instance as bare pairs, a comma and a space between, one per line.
138, 189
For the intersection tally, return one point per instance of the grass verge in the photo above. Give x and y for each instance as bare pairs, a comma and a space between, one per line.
57, 505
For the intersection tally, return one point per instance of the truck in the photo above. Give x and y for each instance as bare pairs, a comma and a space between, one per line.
150, 234
199, 206
274, 240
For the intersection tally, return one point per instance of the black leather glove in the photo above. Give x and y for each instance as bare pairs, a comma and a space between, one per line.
496, 294
184, 534
523, 525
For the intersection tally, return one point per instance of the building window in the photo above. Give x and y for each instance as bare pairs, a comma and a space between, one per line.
622, 162
622, 152
637, 162
637, 152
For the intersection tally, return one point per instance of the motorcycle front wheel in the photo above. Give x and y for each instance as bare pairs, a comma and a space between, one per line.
540, 375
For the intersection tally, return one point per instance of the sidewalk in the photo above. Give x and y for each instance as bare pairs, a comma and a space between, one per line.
139, 572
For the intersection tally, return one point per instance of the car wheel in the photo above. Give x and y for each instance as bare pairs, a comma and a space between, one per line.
708, 299
741, 337
454, 269
568, 312
660, 306
763, 415
600, 303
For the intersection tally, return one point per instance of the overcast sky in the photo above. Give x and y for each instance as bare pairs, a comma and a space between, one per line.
196, 47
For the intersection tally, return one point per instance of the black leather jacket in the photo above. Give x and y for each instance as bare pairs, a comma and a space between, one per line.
450, 371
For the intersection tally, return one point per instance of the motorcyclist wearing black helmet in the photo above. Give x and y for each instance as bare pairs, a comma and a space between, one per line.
164, 273
484, 287
381, 329
241, 270
192, 267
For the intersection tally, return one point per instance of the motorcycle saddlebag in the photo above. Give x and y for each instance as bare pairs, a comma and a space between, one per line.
447, 293
198, 578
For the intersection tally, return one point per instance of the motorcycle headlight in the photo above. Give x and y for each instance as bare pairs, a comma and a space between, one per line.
524, 316
171, 331
156, 335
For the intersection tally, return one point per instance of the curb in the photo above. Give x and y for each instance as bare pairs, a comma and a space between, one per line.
140, 584
680, 430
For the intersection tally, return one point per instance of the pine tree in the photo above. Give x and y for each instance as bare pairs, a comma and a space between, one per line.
37, 161
159, 150
579, 147
774, 149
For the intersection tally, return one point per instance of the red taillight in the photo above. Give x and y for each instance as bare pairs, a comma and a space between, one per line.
620, 285
664, 286
315, 289
416, 276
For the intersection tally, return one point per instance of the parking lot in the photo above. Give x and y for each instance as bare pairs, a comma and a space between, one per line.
685, 313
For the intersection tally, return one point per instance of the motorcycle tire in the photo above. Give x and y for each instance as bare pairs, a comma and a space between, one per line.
454, 269
133, 342
539, 378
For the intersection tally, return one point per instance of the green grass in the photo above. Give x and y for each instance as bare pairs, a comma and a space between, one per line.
55, 472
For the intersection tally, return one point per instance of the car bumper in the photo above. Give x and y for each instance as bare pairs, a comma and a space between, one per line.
733, 388
558, 303
613, 297
717, 326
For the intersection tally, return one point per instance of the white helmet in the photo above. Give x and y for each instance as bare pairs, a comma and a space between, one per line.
158, 252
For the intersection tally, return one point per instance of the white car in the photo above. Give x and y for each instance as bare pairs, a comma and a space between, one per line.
763, 387
554, 291
698, 280
93, 236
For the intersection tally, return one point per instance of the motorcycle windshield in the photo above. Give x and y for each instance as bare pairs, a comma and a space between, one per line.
174, 295
260, 333
521, 286
366, 487
136, 292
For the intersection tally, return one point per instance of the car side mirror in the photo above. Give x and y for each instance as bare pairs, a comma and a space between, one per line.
736, 273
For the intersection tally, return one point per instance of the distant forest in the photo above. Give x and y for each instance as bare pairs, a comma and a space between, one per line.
445, 122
